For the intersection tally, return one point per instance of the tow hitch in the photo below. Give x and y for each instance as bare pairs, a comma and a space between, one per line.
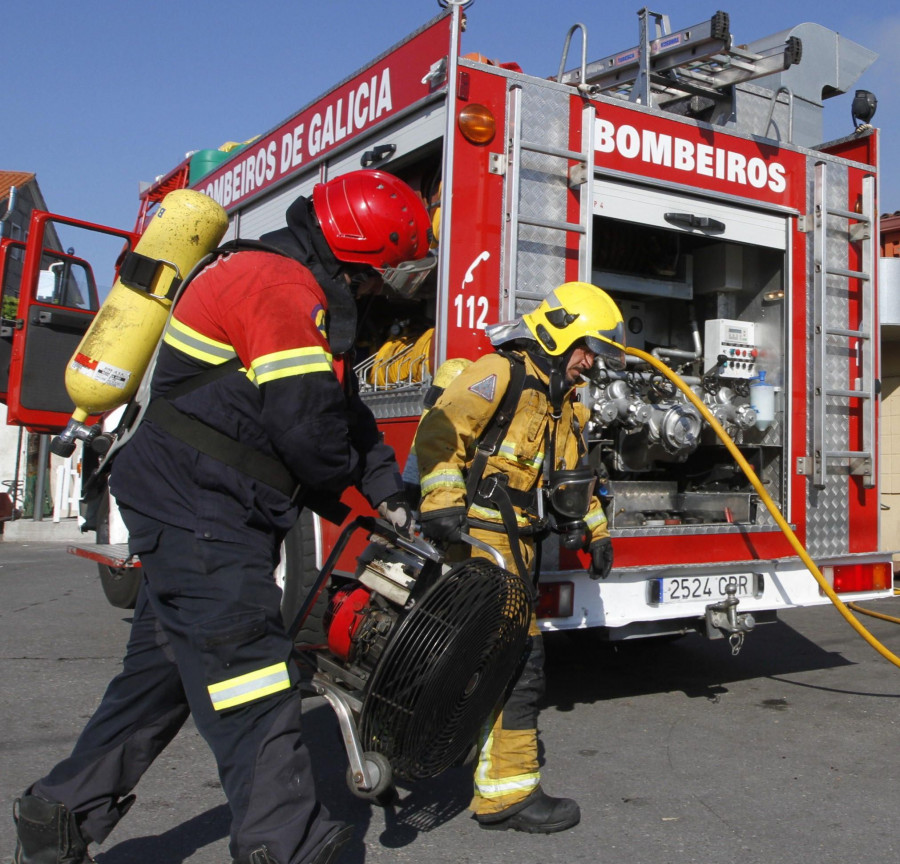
723, 619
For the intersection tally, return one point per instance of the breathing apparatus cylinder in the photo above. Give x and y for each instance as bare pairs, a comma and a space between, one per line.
109, 362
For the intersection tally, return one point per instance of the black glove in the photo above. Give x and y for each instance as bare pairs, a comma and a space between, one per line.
444, 526
395, 509
601, 558
574, 535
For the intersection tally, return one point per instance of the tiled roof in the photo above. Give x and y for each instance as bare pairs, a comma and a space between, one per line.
8, 179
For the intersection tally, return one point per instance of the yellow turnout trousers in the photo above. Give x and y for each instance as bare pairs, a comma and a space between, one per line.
507, 770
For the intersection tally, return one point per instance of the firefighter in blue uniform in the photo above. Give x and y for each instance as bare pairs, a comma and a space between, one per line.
253, 414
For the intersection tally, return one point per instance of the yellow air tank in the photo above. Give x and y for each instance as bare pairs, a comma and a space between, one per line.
111, 359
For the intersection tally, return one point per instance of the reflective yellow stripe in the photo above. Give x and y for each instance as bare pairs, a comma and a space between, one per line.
283, 364
492, 515
595, 518
448, 478
193, 343
249, 687
489, 788
499, 788
483, 768
508, 451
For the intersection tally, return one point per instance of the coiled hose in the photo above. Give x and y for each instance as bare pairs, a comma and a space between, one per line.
772, 508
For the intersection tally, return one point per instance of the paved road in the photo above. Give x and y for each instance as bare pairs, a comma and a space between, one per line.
677, 752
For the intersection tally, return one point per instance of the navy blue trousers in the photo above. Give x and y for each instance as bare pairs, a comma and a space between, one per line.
207, 612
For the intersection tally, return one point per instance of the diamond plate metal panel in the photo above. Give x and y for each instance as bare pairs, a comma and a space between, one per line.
543, 195
771, 476
390, 404
827, 532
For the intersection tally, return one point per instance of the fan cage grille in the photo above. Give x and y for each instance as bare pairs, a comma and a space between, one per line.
446, 668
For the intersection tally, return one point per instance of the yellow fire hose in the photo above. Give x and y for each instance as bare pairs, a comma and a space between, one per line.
772, 508
856, 608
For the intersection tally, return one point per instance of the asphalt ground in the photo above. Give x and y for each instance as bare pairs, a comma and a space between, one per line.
677, 751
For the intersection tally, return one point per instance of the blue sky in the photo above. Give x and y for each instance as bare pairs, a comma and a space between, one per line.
102, 94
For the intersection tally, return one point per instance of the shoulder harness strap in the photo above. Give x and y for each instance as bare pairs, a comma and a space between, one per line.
493, 433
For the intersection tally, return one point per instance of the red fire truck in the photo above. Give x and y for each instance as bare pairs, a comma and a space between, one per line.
685, 176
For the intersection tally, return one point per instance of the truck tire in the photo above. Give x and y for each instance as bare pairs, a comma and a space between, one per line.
298, 562
120, 584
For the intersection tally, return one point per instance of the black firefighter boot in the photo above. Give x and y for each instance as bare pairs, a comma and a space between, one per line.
537, 814
46, 833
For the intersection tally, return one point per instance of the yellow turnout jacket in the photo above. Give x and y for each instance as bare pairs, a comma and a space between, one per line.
448, 434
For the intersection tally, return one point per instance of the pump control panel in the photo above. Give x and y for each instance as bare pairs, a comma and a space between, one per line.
733, 345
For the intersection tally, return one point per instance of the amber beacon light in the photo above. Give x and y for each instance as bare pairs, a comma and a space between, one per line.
477, 124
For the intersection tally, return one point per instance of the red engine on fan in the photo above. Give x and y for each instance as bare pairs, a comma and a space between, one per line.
346, 612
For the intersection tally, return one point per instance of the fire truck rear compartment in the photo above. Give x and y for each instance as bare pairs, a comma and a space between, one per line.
680, 295
678, 292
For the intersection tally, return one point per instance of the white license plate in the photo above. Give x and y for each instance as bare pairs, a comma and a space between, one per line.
676, 589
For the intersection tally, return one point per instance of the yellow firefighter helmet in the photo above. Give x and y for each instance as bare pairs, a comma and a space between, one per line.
579, 311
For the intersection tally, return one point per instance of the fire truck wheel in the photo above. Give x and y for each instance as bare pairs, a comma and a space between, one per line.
298, 570
120, 584
383, 791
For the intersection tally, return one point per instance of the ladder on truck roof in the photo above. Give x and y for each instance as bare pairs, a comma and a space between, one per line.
702, 60
833, 341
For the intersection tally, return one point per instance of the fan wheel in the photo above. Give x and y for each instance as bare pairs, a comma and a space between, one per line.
381, 774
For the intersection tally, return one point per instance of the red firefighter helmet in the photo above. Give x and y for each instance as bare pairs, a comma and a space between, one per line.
373, 218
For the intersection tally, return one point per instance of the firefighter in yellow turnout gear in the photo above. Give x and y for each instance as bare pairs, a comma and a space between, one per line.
504, 432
